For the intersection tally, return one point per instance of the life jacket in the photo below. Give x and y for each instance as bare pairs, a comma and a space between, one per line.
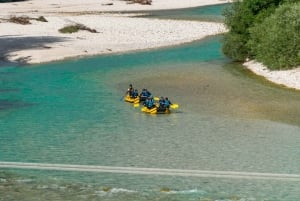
150, 103
144, 93
135, 93
161, 102
167, 103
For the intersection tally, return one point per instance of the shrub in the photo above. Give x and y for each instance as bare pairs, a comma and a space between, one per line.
276, 41
234, 46
76, 28
20, 20
69, 29
241, 16
41, 19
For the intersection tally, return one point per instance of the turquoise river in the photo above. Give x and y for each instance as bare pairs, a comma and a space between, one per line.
67, 134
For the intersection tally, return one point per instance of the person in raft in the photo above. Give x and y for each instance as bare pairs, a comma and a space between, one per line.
130, 91
135, 93
167, 103
144, 95
149, 103
161, 103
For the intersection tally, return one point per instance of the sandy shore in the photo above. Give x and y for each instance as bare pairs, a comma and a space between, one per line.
42, 42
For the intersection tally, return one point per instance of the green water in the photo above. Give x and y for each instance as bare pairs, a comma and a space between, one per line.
70, 113
203, 13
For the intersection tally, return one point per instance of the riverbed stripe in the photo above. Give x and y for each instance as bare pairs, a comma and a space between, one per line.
150, 171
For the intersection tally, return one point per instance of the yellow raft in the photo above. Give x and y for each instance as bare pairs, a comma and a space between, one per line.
155, 110
131, 99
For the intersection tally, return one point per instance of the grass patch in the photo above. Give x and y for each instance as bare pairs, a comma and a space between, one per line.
76, 28
24, 20
41, 19
20, 20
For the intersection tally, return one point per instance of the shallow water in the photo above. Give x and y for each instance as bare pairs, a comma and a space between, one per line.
203, 13
72, 112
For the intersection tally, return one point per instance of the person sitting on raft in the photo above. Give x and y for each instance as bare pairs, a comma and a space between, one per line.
130, 91
135, 93
149, 103
167, 103
144, 95
162, 105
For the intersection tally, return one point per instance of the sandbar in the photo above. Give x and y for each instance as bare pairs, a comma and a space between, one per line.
41, 42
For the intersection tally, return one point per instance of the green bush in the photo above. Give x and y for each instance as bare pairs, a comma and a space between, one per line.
76, 28
41, 19
24, 20
241, 16
69, 29
234, 46
276, 41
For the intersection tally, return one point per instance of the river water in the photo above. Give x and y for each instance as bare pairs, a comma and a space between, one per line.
72, 112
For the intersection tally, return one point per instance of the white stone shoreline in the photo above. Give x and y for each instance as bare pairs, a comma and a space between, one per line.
287, 78
42, 42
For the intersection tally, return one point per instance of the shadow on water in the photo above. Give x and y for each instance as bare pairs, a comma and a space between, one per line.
9, 104
11, 44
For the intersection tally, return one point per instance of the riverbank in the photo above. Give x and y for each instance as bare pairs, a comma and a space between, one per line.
40, 42
287, 78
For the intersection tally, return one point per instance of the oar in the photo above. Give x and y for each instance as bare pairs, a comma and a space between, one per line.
136, 105
174, 106
122, 98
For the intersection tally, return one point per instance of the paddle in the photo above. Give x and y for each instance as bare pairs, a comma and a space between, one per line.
122, 98
174, 106
136, 105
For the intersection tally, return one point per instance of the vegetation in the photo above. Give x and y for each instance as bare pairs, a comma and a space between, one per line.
262, 30
76, 28
41, 19
25, 19
276, 41
20, 20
